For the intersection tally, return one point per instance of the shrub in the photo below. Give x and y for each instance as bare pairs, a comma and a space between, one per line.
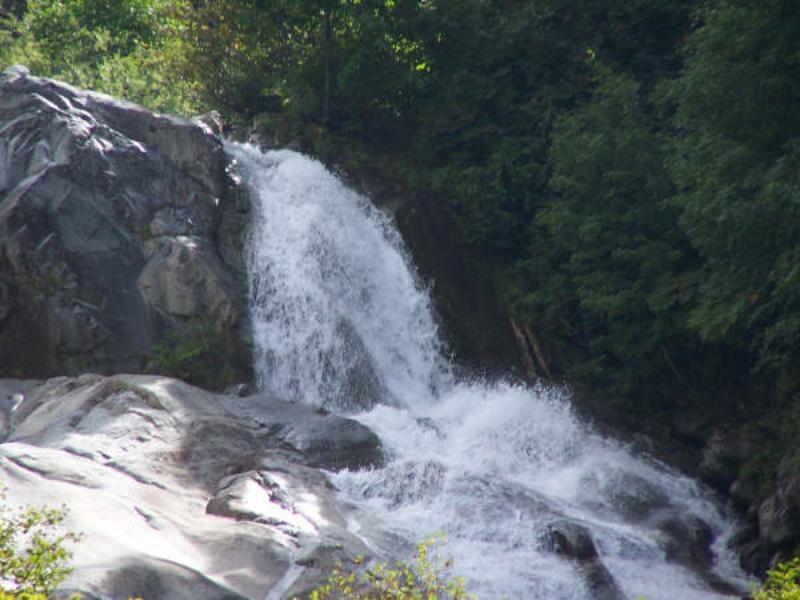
783, 583
424, 579
33, 554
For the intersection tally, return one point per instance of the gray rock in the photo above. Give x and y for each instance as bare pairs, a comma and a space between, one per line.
184, 278
779, 514
630, 495
109, 221
574, 542
180, 493
331, 442
687, 540
570, 539
322, 439
162, 580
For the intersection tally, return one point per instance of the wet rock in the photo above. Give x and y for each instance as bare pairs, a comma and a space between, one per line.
108, 232
573, 541
630, 495
692, 427
746, 532
687, 540
239, 390
409, 481
331, 442
361, 387
754, 557
215, 447
184, 278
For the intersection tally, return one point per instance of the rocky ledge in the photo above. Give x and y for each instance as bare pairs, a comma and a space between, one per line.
117, 231
180, 493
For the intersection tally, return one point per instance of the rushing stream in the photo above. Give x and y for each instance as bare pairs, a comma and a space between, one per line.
507, 472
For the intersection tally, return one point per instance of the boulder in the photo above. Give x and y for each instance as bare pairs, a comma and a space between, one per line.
631, 495
570, 539
322, 439
110, 221
574, 542
179, 492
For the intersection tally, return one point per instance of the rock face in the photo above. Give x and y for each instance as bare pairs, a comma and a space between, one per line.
181, 493
769, 501
110, 221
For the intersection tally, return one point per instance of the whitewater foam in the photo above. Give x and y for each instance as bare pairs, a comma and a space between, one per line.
341, 320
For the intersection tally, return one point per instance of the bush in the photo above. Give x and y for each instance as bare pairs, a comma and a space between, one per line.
33, 554
783, 583
424, 579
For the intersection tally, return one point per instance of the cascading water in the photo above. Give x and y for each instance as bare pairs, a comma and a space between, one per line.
509, 473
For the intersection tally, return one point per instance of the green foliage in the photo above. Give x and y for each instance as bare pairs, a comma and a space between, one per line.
130, 49
735, 164
191, 355
424, 579
33, 554
783, 583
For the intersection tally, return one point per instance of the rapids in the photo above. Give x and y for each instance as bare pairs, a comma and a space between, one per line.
341, 320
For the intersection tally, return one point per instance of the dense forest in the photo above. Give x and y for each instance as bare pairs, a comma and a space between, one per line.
626, 172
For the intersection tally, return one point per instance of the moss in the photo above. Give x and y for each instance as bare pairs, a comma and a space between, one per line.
145, 232
193, 355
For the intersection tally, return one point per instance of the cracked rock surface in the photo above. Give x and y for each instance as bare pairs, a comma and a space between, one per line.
181, 493
116, 228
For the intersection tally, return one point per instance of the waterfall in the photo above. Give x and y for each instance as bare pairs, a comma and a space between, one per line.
507, 472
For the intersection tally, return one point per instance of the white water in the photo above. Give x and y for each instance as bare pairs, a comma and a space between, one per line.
340, 320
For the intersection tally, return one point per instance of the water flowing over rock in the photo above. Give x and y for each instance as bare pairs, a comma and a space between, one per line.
535, 504
109, 216
180, 493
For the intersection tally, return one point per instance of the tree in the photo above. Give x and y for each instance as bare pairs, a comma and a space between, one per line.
735, 159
